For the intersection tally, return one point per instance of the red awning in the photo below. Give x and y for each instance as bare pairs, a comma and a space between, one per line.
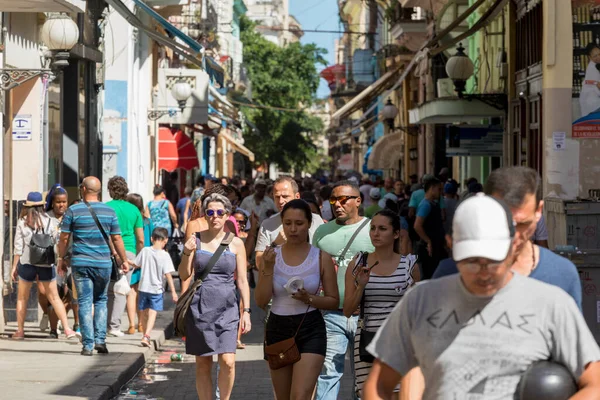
176, 150
334, 74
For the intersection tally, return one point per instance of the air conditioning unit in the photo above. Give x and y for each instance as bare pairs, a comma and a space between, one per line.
445, 88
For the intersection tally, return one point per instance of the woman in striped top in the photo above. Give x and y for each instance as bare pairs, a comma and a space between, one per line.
382, 277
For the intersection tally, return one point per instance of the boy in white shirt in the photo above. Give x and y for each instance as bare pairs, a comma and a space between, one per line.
155, 263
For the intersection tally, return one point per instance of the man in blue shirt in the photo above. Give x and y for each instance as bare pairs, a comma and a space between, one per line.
521, 189
91, 262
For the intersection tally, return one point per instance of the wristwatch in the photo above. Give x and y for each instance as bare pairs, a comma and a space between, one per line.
248, 310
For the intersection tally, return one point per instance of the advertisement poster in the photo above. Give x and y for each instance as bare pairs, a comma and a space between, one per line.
586, 69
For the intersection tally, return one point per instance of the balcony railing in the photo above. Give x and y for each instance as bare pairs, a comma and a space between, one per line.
405, 20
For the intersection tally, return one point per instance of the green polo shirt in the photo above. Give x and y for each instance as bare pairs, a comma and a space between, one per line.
130, 219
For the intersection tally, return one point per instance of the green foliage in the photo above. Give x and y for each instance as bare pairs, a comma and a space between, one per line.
287, 78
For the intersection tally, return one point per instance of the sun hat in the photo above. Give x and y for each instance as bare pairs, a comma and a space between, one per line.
34, 199
482, 227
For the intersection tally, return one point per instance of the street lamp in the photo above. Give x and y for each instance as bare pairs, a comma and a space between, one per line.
181, 91
60, 33
459, 68
389, 113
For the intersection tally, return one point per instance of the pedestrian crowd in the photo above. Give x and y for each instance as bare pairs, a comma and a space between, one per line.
435, 292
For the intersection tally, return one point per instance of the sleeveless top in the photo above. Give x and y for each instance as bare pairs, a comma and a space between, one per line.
309, 271
159, 213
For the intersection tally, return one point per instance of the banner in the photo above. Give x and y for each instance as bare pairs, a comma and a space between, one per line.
586, 68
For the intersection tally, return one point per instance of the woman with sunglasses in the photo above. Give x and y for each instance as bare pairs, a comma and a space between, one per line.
381, 278
297, 311
212, 319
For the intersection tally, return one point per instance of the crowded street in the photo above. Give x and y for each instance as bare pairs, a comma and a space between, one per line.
300, 199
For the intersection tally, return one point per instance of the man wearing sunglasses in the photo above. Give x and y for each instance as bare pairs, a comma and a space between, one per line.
343, 238
475, 333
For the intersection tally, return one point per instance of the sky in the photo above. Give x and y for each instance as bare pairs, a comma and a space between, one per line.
318, 15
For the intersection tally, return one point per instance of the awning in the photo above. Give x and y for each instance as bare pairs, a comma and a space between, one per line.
176, 150
372, 91
185, 51
451, 110
240, 148
194, 45
387, 152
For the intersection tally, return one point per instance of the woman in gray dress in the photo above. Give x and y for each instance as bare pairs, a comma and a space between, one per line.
213, 317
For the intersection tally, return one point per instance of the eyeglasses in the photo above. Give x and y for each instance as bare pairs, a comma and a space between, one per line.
475, 267
211, 213
342, 199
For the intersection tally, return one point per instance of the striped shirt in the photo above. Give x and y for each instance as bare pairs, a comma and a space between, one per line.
89, 247
382, 293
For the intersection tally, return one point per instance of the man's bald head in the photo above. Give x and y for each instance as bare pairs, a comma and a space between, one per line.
92, 184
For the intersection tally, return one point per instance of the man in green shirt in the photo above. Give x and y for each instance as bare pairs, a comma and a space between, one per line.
333, 238
132, 232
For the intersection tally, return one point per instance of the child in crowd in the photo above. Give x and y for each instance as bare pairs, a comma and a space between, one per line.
155, 264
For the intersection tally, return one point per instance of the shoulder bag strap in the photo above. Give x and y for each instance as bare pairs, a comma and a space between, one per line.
354, 235
217, 254
318, 288
100, 227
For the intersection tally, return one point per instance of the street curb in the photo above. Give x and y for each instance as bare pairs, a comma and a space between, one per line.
134, 367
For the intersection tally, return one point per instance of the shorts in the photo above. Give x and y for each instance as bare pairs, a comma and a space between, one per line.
135, 277
150, 300
312, 337
28, 273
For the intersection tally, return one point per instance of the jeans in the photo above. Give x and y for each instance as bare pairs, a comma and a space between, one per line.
340, 338
92, 287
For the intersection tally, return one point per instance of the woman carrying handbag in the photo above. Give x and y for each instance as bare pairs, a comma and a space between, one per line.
211, 322
295, 336
376, 282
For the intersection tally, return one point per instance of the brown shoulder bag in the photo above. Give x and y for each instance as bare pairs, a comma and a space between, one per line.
285, 352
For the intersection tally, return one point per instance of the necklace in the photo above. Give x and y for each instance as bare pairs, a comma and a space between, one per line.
533, 266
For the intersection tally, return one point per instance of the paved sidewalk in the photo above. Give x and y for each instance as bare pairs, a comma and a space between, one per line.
43, 368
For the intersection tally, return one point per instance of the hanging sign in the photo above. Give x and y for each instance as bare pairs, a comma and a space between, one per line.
21, 127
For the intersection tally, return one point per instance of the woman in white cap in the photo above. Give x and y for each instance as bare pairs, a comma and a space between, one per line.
32, 261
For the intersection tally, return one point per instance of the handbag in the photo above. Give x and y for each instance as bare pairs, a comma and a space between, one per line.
285, 352
365, 336
115, 271
185, 301
41, 247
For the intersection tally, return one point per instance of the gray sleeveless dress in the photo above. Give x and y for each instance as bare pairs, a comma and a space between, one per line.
213, 317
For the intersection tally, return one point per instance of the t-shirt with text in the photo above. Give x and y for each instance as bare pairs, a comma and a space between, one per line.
477, 348
89, 247
155, 265
332, 238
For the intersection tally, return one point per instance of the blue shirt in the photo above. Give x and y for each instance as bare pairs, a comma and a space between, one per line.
552, 269
417, 197
181, 207
89, 247
424, 209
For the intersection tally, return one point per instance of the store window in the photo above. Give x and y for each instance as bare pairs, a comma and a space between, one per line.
54, 134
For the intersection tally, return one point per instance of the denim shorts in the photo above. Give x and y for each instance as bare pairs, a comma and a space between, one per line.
151, 301
29, 272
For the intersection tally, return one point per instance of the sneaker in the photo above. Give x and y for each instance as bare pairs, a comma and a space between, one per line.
145, 341
70, 334
53, 334
115, 333
44, 322
101, 348
76, 328
85, 352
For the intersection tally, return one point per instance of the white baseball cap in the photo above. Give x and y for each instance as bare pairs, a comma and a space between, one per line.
482, 227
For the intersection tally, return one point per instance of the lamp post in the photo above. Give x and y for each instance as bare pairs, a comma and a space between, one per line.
389, 113
59, 34
459, 68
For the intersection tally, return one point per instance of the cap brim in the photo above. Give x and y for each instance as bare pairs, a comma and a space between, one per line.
495, 250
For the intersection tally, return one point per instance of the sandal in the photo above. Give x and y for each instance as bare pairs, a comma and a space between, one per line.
18, 335
145, 342
70, 334
240, 345
131, 330
140, 328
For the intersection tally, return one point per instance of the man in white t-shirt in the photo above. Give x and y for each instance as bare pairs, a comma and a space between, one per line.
258, 203
285, 189
475, 333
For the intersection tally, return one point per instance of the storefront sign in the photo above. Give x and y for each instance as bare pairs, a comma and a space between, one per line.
477, 141
21, 127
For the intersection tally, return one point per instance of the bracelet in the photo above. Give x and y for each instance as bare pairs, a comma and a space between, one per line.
186, 254
263, 273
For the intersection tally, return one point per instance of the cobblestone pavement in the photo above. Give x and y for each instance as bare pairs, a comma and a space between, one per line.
165, 379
